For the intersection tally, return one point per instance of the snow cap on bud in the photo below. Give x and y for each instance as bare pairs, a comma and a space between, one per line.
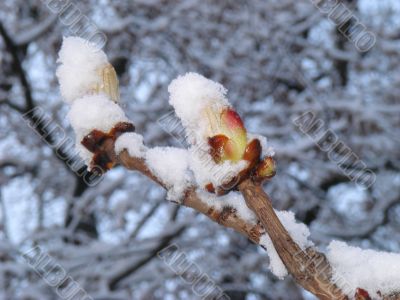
215, 129
192, 95
84, 69
89, 83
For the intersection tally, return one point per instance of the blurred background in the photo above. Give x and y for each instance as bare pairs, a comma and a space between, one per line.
278, 59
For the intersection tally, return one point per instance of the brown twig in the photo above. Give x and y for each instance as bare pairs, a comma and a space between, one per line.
315, 277
309, 268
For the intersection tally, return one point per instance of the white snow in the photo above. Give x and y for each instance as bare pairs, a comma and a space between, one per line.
170, 165
370, 270
299, 233
206, 171
80, 62
93, 112
275, 263
233, 199
190, 95
132, 142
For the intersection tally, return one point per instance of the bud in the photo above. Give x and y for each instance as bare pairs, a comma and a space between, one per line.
228, 137
85, 70
213, 127
362, 294
265, 169
252, 152
108, 83
95, 143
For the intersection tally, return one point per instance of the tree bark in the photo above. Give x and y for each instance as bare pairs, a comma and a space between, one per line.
309, 268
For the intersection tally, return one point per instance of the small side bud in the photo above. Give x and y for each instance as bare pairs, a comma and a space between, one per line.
210, 188
252, 152
265, 169
95, 142
120, 128
252, 155
361, 294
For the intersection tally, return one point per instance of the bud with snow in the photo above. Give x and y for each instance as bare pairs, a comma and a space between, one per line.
85, 70
88, 82
213, 127
265, 169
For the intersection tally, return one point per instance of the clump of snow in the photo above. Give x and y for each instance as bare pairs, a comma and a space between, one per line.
93, 112
275, 263
191, 94
206, 171
170, 165
233, 199
80, 62
370, 270
299, 233
132, 142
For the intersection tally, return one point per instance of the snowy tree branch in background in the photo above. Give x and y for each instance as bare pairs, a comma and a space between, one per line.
219, 175
28, 110
30, 114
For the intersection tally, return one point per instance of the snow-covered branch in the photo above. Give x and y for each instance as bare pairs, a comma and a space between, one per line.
219, 175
